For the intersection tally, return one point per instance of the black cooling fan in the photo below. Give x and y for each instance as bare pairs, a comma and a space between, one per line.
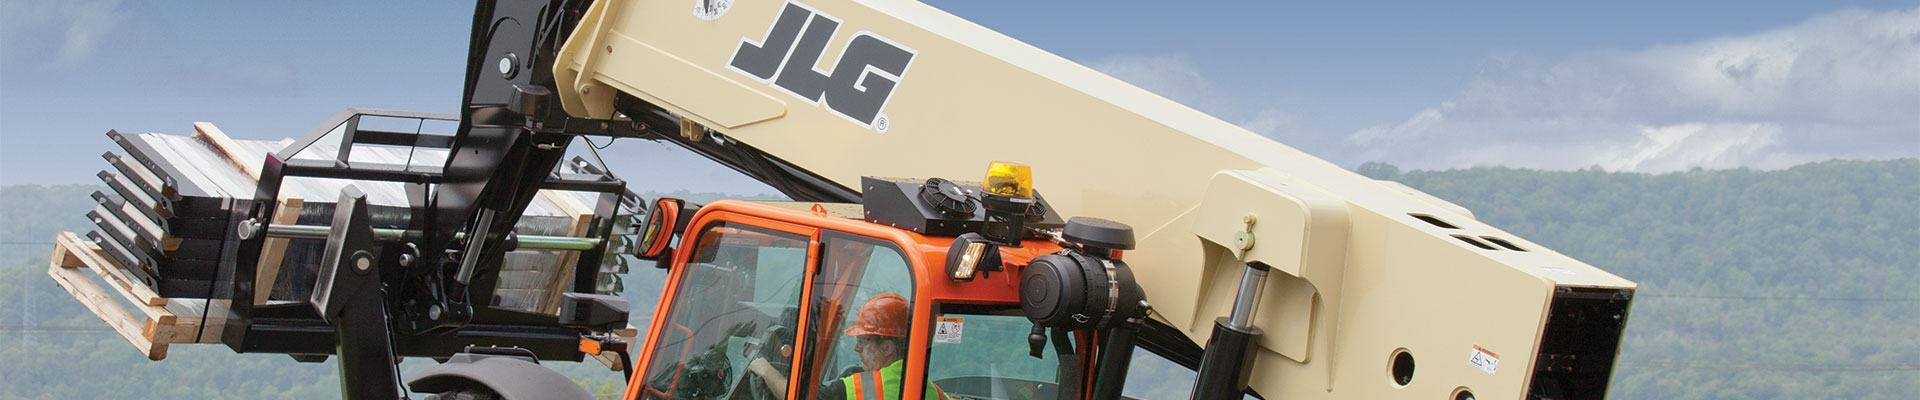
948, 198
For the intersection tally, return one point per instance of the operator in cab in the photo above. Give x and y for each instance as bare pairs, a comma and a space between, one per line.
880, 334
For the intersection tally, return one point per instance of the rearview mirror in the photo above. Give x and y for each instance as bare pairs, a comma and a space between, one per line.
657, 234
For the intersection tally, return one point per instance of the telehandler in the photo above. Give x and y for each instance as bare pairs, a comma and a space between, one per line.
917, 256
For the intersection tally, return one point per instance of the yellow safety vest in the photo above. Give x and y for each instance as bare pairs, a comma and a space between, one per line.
875, 385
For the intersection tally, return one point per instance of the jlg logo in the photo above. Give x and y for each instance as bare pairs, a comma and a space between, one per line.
857, 87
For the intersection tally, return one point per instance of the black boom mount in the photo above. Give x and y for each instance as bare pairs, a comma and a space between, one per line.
424, 287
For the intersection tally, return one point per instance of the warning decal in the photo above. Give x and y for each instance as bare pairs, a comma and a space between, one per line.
948, 329
1483, 359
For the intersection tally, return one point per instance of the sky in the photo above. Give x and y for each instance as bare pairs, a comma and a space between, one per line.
1644, 86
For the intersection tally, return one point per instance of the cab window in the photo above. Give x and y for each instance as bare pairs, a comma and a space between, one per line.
854, 271
981, 353
1151, 376
737, 299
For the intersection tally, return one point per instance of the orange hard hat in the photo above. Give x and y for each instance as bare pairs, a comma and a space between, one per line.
885, 314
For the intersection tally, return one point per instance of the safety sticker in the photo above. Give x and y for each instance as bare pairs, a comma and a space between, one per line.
1483, 359
711, 9
948, 329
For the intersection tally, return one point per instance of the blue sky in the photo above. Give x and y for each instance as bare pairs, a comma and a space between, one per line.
1626, 85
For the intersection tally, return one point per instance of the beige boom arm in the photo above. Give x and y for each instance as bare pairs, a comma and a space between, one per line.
1364, 270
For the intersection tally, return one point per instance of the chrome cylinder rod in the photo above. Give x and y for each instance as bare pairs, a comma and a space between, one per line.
527, 242
1246, 301
470, 259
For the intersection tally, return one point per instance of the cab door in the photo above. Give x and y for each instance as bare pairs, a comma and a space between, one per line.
855, 269
734, 296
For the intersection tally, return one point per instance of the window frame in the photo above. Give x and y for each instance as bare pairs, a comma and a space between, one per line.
637, 387
807, 375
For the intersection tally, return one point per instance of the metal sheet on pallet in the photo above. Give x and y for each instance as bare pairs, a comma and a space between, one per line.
126, 258
203, 172
142, 178
148, 157
200, 164
147, 204
139, 223
119, 231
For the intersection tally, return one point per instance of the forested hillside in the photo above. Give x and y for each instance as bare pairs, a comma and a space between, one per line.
1799, 283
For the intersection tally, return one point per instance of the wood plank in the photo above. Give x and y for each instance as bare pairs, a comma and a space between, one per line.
562, 279
115, 275
198, 321
161, 320
217, 317
161, 330
227, 147
274, 251
173, 321
103, 305
65, 259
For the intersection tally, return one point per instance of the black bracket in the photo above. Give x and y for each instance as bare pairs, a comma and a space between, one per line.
348, 295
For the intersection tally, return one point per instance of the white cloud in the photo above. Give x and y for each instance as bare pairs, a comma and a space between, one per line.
1692, 145
1841, 85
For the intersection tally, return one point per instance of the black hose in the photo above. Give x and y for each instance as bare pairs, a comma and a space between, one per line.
626, 365
1116, 354
1069, 364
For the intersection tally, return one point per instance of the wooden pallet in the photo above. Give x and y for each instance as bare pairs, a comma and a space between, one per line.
159, 322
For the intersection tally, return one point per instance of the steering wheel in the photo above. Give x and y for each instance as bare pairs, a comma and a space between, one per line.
768, 347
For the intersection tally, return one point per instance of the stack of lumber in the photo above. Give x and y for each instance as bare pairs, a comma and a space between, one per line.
165, 239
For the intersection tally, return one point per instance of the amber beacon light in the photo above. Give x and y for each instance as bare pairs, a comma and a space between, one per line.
1009, 179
